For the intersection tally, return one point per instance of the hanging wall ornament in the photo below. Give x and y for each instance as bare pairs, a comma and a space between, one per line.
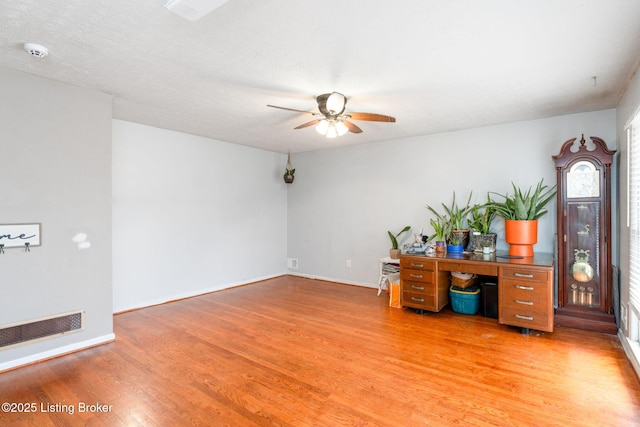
289, 171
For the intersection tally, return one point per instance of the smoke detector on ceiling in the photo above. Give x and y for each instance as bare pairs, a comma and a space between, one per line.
36, 50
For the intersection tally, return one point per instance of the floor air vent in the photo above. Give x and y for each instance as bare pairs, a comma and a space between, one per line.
35, 330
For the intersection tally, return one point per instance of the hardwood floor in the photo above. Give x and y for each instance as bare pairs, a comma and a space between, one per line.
299, 352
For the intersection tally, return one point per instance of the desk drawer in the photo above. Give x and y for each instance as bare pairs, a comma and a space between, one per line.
418, 300
524, 274
525, 295
417, 275
526, 318
483, 270
419, 287
416, 263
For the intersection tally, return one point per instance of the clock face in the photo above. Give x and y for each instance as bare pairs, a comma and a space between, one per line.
583, 180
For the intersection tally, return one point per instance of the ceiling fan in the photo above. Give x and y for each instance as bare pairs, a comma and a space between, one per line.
332, 121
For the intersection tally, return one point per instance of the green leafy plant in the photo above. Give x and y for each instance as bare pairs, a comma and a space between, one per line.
482, 216
289, 172
441, 229
455, 239
524, 206
394, 238
455, 215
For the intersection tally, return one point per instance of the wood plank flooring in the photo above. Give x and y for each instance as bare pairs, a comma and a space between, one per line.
298, 352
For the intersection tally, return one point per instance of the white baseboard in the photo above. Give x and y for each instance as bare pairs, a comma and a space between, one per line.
56, 352
632, 350
191, 294
330, 279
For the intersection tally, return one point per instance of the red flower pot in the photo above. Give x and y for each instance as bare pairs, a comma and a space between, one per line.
521, 235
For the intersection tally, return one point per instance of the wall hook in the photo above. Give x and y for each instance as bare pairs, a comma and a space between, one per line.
1, 248
26, 247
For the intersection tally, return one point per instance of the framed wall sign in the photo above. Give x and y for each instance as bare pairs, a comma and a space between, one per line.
19, 235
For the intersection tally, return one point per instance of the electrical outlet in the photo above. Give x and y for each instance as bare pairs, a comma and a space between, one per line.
292, 263
348, 263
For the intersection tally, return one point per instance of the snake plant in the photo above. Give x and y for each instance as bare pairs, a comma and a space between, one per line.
454, 215
524, 205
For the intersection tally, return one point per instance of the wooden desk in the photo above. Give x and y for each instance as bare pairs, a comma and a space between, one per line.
525, 285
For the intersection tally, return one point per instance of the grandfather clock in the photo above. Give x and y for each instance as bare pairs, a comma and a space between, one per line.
584, 236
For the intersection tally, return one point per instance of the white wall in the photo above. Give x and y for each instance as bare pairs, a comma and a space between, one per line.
192, 215
344, 200
627, 107
55, 145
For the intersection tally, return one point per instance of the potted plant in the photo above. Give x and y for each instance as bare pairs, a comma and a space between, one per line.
480, 222
441, 229
455, 243
394, 252
521, 212
288, 175
289, 171
456, 217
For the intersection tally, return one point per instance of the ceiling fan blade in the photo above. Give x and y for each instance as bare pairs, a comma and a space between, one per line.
291, 109
371, 117
311, 123
352, 127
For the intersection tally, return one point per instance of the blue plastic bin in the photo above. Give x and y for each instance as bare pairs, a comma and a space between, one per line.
465, 301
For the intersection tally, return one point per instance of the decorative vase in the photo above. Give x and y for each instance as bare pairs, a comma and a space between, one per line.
440, 247
394, 253
521, 235
455, 249
463, 235
479, 241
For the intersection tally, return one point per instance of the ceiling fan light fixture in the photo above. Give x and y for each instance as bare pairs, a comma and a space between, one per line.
331, 120
341, 128
336, 103
322, 127
332, 132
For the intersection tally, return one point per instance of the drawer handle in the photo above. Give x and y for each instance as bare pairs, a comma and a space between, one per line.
418, 288
525, 288
520, 316
528, 276
416, 276
417, 299
524, 302
417, 265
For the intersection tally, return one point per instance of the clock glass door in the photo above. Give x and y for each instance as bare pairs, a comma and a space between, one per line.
583, 253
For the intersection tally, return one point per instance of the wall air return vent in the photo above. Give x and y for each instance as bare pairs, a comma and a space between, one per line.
39, 329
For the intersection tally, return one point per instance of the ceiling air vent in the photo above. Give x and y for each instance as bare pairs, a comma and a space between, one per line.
35, 330
192, 10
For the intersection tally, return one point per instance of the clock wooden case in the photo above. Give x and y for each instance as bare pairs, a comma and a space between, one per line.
584, 235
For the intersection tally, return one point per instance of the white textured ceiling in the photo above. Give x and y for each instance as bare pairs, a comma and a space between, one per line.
435, 65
